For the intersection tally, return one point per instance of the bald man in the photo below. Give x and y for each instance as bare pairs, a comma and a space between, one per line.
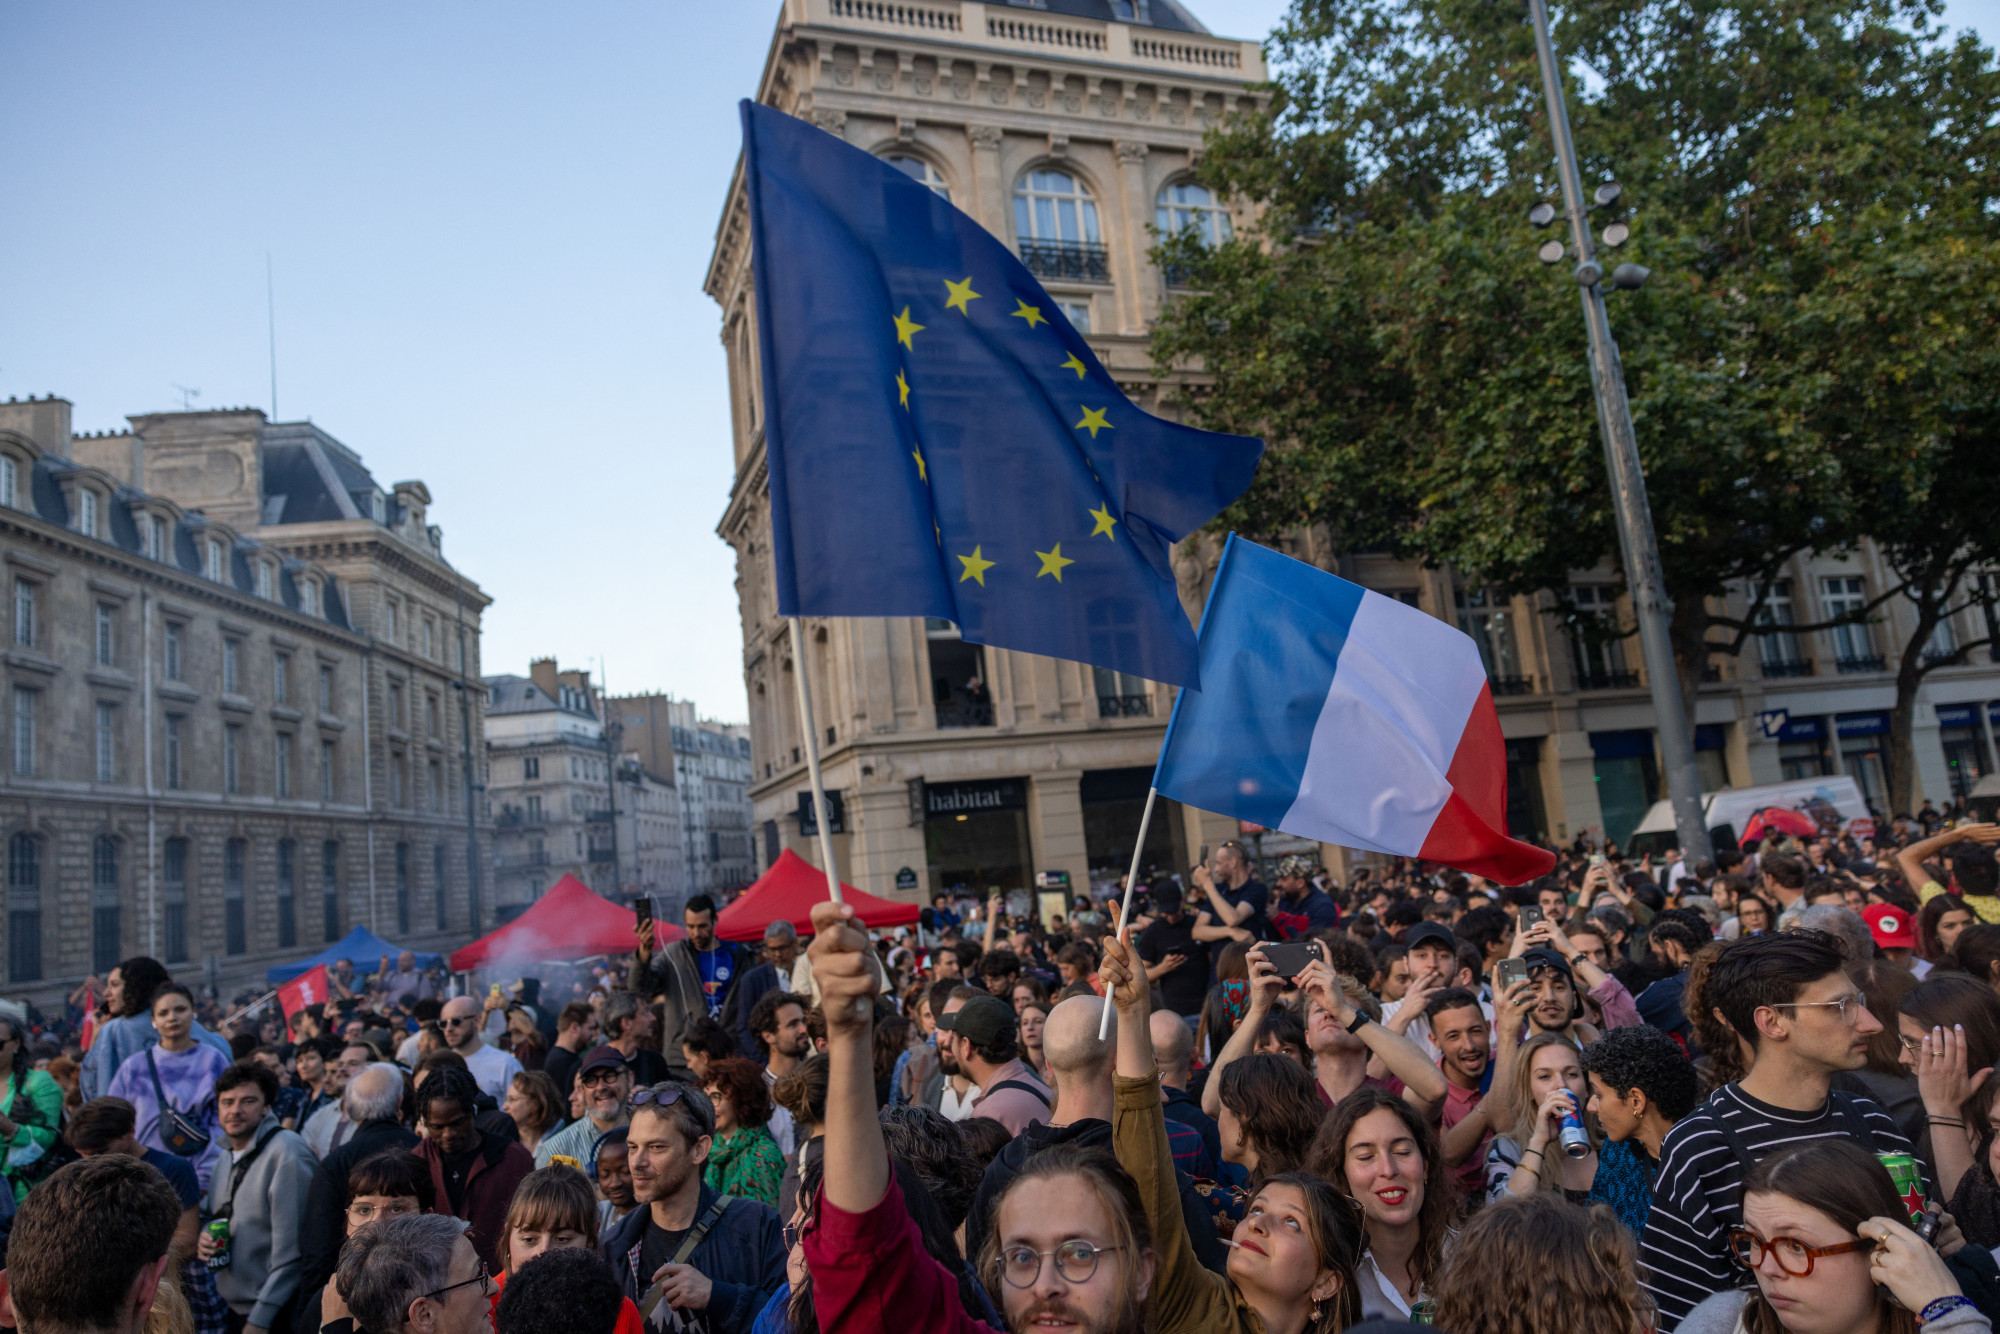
492, 1069
1173, 1050
1080, 1066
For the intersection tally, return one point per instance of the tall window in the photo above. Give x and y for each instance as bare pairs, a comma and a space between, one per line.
1053, 206
281, 678
107, 635
174, 897
430, 638
1842, 595
288, 923
232, 758
263, 579
176, 730
281, 765
433, 716
26, 596
86, 512
1489, 619
212, 560
1186, 204
437, 785
437, 879
919, 170
9, 480
403, 888
326, 770
397, 781
156, 537
232, 667
107, 742
1779, 653
172, 640
329, 889
24, 908
326, 689
24, 731
1596, 645
531, 767
235, 928
104, 924
394, 619
309, 597
395, 705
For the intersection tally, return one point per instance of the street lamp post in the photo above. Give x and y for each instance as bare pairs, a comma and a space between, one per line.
1636, 543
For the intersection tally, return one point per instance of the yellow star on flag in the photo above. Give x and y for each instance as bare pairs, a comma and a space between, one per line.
1032, 314
923, 474
903, 388
1105, 523
1093, 421
1074, 365
976, 567
907, 328
1053, 562
961, 292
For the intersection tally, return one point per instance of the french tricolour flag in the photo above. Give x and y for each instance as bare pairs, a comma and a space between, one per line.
1337, 714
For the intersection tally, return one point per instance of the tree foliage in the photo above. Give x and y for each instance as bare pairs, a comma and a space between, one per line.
1804, 178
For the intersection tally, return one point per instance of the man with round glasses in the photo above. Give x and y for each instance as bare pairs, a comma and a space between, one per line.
606, 1082
1069, 1248
1789, 1001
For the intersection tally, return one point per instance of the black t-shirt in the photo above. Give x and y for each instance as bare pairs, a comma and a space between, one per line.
457, 1166
647, 1067
1257, 924
656, 1248
1186, 987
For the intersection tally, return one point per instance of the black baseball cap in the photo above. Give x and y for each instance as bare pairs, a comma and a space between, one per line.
982, 1021
601, 1058
1543, 957
1427, 933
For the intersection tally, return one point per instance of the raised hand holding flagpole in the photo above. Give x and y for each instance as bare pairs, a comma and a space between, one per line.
812, 761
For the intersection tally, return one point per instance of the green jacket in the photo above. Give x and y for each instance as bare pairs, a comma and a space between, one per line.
36, 1125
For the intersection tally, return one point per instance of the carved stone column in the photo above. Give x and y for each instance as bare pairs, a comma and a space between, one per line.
989, 193
1138, 285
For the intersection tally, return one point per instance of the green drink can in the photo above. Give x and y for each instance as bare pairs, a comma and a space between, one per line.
218, 1231
1909, 1183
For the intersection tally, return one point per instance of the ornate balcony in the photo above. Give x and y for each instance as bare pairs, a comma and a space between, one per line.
1077, 261
1124, 706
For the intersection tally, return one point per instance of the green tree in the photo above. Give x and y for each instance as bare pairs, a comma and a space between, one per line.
1422, 380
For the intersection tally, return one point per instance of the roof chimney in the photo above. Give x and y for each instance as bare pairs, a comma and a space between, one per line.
542, 671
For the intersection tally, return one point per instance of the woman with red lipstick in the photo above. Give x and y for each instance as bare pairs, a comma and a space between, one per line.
1291, 1263
1378, 1150
1823, 1231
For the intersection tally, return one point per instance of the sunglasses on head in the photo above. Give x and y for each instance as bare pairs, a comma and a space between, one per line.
657, 1097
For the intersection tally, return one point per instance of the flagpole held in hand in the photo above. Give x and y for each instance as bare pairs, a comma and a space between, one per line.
812, 761
1125, 908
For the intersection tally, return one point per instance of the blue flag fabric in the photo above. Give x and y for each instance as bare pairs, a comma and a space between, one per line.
940, 441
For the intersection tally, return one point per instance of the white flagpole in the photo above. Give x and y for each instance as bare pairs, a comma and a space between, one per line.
1125, 909
812, 761
254, 1005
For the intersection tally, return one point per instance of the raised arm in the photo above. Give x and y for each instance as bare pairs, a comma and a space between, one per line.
993, 905
1910, 861
856, 1156
1265, 984
1423, 1083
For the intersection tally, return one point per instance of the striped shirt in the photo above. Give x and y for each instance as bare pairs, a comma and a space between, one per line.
1684, 1255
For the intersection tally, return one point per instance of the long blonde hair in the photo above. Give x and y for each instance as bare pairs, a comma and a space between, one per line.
1522, 1107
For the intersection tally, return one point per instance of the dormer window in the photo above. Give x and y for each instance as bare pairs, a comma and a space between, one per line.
10, 472
86, 512
211, 561
264, 579
156, 537
309, 597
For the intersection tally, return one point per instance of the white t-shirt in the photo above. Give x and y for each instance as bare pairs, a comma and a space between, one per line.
493, 1070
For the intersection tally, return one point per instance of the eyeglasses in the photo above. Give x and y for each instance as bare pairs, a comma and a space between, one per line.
482, 1278
1851, 1008
603, 1074
1914, 1046
1076, 1261
1794, 1257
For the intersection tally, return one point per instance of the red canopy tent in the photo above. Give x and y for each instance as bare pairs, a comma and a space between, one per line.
788, 891
568, 922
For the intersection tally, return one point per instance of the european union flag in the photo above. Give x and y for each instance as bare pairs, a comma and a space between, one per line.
940, 441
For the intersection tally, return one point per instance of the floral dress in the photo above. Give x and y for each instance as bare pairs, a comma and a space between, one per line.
746, 1163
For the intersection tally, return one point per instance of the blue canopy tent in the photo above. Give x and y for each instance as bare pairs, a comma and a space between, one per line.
361, 947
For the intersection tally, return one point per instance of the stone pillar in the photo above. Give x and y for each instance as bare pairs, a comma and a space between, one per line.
883, 841
1569, 762
989, 192
1138, 286
1055, 826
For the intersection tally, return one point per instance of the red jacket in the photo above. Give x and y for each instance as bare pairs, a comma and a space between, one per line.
497, 1169
871, 1273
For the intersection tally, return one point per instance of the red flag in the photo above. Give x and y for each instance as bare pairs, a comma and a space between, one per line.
89, 1017
308, 988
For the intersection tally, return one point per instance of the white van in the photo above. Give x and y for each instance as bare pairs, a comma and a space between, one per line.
1835, 803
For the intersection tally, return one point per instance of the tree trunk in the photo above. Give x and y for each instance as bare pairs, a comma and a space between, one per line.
1687, 630
1910, 672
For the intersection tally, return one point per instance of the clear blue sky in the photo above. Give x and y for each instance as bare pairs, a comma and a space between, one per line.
489, 224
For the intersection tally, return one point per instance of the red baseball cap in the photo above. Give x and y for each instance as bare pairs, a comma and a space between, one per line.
1892, 927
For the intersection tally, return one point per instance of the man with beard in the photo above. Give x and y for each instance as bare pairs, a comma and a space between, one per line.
473, 1172
606, 1084
689, 1258
779, 1025
1073, 1251
1302, 909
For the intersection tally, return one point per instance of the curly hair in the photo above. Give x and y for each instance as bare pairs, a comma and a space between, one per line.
930, 1144
1646, 1059
1328, 1158
1727, 1051
1278, 1106
743, 1084
1533, 1264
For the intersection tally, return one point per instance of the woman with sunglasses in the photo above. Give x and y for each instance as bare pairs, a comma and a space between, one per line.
1824, 1233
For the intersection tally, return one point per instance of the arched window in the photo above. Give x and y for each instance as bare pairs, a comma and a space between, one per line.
1185, 204
24, 908
919, 170
1055, 228
104, 922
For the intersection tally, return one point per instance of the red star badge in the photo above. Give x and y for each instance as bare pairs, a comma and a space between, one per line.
1913, 1199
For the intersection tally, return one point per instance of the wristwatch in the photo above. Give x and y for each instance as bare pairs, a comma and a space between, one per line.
1360, 1018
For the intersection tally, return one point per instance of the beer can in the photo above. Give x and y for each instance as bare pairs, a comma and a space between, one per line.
1575, 1139
218, 1231
1909, 1182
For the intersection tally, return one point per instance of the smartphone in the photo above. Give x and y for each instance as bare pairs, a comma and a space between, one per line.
1290, 957
1597, 859
643, 906
1531, 916
1203, 859
1507, 972
494, 991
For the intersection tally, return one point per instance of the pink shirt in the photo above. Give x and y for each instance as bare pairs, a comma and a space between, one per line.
1014, 1108
1458, 1104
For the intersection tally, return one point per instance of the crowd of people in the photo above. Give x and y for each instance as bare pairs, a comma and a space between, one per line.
1753, 1094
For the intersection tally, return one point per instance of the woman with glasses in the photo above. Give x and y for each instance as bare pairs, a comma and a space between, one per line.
1823, 1231
555, 1208
392, 1184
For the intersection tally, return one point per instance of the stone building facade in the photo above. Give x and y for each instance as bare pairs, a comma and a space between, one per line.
710, 764
1070, 129
237, 722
